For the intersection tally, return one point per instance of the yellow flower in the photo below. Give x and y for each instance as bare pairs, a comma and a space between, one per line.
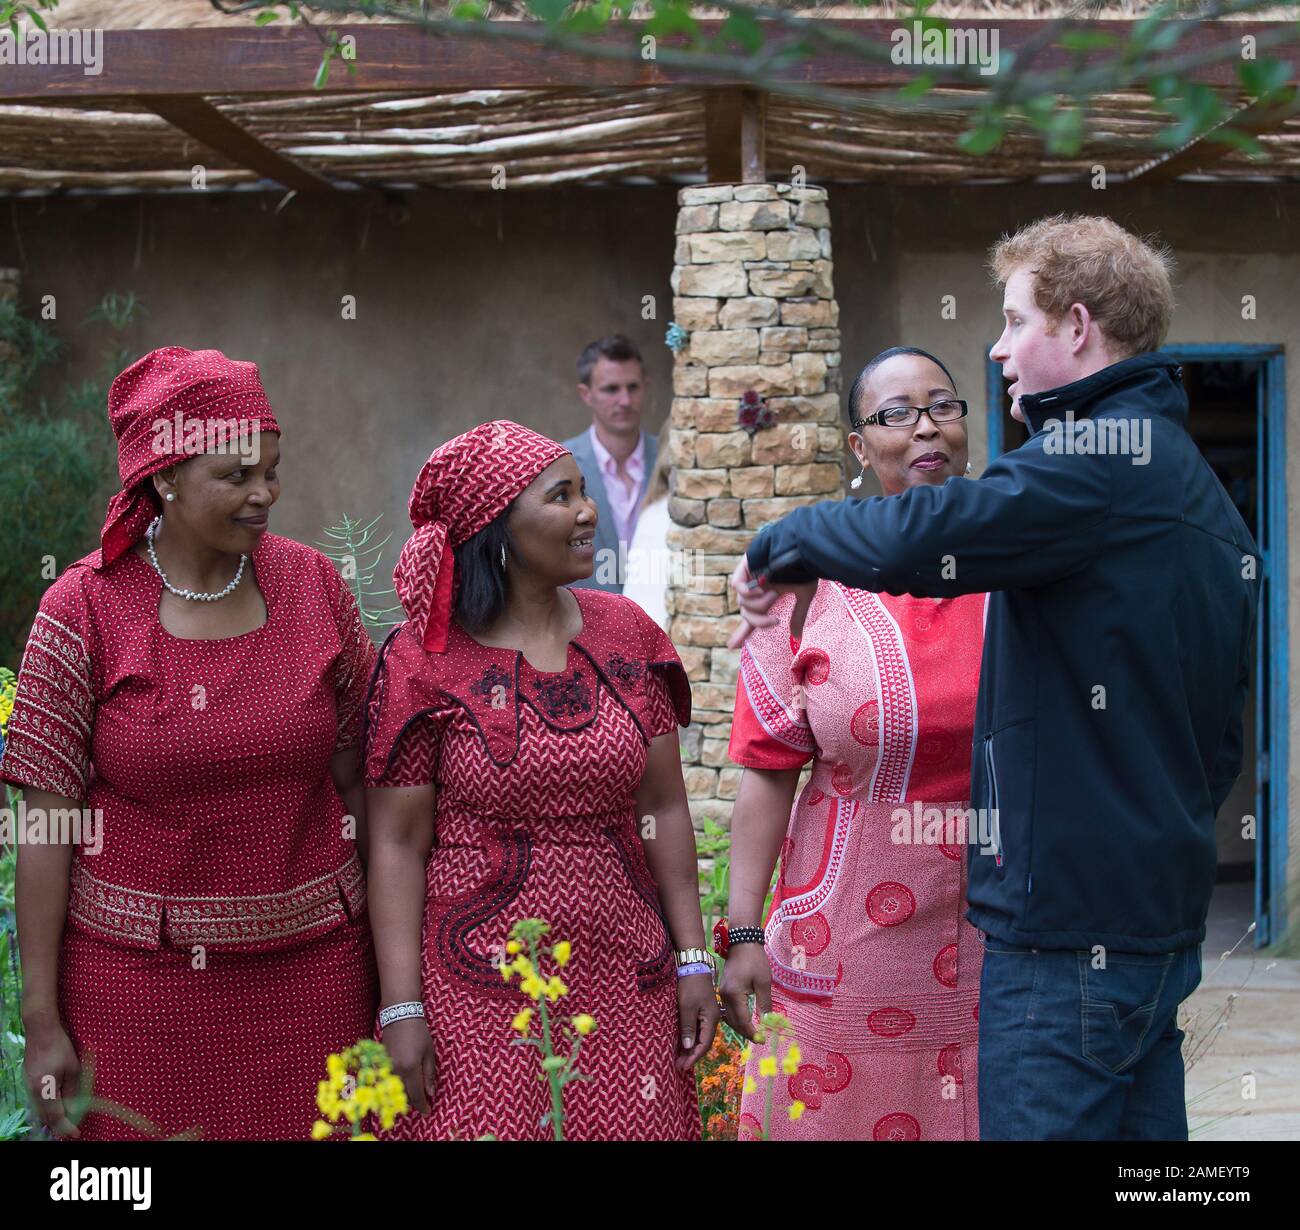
746, 1052
522, 1017
364, 1136
327, 1098
751, 1085
796, 1111
335, 1067
320, 1129
584, 1024
555, 988
790, 1061
513, 946
767, 1066
532, 986
392, 1100
561, 952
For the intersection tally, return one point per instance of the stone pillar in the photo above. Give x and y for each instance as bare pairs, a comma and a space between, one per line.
758, 324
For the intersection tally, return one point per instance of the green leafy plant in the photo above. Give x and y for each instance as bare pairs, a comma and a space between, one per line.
59, 459
356, 554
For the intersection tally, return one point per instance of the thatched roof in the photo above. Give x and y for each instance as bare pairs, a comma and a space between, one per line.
180, 14
543, 137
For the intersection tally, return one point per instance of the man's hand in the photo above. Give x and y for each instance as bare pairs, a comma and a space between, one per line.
756, 599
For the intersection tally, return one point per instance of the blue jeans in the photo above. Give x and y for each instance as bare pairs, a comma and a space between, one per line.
1073, 1052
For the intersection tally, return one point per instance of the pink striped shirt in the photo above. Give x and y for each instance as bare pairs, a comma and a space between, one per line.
622, 487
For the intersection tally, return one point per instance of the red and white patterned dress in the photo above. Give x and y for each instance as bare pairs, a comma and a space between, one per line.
217, 948
536, 775
872, 958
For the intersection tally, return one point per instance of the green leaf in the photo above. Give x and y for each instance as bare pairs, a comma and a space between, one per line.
323, 72
585, 21
266, 18
37, 20
1087, 40
1039, 110
550, 11
984, 137
1164, 85
1065, 131
919, 86
672, 17
743, 29
1263, 78
1238, 140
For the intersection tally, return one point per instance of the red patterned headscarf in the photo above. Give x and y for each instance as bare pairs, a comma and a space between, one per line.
464, 486
154, 406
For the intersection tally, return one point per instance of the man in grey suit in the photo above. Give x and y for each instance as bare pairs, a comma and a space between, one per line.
614, 454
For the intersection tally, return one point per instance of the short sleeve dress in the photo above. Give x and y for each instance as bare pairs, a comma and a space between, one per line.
872, 957
216, 945
536, 774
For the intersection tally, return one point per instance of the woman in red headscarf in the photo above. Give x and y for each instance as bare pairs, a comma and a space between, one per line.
527, 732
192, 692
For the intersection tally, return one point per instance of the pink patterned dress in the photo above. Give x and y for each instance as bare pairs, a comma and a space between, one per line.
535, 817
872, 958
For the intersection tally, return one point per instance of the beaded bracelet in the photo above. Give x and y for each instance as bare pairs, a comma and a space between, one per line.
400, 1012
695, 967
744, 935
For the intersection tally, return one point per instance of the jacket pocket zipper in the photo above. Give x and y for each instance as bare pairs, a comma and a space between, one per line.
991, 769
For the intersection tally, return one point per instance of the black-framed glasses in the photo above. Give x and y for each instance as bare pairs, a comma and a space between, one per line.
947, 411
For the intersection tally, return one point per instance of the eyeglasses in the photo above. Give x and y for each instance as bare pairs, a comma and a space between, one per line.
946, 411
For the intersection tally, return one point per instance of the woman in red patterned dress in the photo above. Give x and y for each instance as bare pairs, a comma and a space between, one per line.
866, 948
527, 732
196, 685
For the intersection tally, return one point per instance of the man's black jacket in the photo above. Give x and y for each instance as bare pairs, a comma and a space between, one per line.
1116, 653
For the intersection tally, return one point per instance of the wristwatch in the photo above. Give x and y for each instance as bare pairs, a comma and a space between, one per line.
696, 956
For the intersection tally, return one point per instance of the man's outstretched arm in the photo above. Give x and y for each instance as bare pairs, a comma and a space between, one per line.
1031, 519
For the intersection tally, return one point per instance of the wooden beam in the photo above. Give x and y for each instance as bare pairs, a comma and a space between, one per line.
734, 138
246, 59
201, 120
1201, 154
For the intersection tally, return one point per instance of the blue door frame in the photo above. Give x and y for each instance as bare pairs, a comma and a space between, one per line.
1272, 694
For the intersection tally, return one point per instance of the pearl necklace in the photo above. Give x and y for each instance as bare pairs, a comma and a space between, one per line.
188, 594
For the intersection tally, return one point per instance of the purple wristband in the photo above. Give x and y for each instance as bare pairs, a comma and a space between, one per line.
696, 967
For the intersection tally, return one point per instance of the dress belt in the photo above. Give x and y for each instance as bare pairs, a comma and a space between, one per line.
138, 918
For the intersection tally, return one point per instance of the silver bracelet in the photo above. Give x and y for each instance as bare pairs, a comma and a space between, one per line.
399, 1012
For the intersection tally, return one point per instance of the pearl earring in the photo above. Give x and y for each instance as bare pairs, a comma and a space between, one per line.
857, 482
968, 467
171, 497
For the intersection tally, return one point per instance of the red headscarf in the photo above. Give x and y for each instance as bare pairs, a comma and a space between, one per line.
202, 387
464, 486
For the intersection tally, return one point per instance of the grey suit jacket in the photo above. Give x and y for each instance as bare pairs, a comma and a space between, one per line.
607, 554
